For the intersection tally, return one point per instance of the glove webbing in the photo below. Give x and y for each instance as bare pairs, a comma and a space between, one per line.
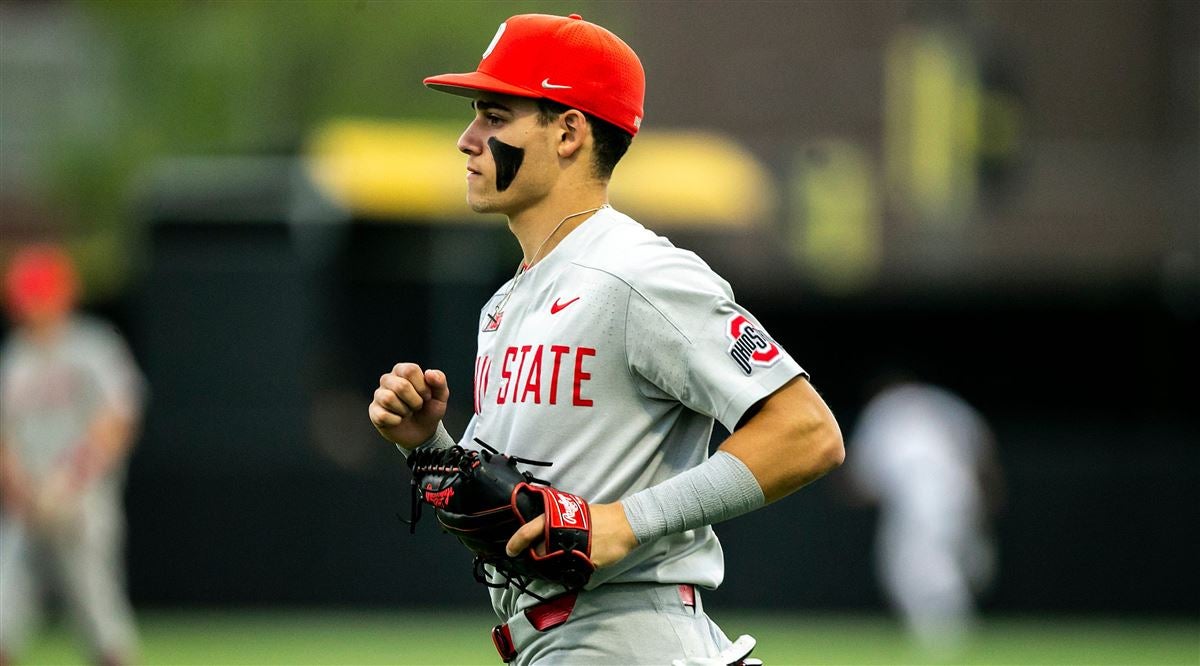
464, 462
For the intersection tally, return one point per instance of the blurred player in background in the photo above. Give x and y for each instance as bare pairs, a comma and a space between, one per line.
611, 353
926, 457
71, 397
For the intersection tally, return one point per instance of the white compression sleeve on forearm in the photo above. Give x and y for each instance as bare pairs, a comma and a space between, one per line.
720, 488
441, 440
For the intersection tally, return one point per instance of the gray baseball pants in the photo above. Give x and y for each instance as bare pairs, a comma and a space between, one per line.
617, 623
86, 567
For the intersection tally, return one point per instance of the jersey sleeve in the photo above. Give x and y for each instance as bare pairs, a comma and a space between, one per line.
121, 384
688, 340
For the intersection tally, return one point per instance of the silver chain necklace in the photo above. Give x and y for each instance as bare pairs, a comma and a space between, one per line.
523, 268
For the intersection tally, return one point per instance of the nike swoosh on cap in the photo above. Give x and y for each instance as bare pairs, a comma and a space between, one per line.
552, 86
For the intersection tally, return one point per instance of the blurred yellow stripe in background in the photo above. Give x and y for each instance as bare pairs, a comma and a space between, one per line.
412, 171
379, 169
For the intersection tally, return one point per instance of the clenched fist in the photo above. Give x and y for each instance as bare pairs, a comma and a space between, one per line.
409, 404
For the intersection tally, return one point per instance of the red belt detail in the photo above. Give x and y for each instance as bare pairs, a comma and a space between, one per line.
550, 614
687, 594
502, 639
544, 616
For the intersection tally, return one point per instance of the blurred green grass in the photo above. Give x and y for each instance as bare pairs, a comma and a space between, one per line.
461, 637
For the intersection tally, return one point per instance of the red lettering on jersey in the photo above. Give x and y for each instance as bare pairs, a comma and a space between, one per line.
487, 377
506, 376
483, 368
558, 351
478, 369
529, 375
521, 376
533, 381
580, 376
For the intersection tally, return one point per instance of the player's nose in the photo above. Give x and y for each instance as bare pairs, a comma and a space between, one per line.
468, 141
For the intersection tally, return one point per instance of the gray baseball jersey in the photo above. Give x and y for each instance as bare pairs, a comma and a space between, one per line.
612, 357
51, 394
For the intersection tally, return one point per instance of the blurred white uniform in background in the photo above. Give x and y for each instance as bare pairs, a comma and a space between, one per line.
919, 451
71, 397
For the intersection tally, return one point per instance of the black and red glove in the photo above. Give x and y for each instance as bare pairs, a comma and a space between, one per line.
482, 498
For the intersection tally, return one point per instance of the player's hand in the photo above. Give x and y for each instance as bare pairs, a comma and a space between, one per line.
17, 501
409, 403
612, 537
55, 509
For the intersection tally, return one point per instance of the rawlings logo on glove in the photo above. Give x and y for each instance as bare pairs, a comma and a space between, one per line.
440, 498
568, 509
482, 499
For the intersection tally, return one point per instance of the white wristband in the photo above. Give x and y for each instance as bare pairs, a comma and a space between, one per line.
441, 440
720, 488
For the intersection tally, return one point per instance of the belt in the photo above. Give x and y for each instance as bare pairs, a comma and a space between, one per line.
542, 617
549, 614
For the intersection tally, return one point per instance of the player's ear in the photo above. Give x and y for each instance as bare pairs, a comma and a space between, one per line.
573, 129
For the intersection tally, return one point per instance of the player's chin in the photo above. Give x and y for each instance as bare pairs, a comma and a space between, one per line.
483, 204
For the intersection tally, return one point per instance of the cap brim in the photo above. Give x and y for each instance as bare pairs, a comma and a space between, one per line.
470, 83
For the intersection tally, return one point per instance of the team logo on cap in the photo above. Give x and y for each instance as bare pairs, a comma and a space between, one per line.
751, 345
495, 40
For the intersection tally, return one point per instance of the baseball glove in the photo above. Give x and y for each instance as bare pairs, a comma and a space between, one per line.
482, 498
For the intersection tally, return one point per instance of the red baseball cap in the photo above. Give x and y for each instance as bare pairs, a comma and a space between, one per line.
567, 60
41, 278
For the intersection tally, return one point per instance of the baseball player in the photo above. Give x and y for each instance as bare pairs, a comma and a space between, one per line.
71, 396
611, 353
925, 456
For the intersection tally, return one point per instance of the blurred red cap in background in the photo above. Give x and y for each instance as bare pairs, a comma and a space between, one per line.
40, 280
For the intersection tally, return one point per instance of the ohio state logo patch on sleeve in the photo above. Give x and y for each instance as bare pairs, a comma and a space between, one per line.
751, 346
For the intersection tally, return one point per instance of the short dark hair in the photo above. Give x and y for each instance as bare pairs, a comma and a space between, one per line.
611, 141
